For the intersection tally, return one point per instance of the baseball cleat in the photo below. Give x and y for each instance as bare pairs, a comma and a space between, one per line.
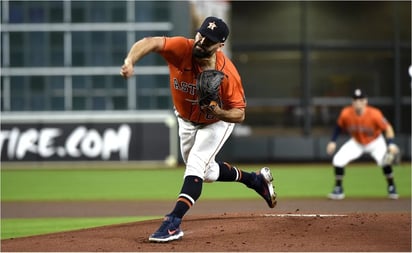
264, 186
392, 194
168, 231
337, 193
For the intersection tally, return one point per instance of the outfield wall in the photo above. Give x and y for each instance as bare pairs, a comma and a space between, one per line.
292, 148
141, 138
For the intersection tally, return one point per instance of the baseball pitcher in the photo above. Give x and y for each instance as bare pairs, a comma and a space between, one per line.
208, 100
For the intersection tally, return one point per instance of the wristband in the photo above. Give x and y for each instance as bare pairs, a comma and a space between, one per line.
390, 141
336, 133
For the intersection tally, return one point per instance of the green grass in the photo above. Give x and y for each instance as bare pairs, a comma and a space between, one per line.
13, 228
362, 180
291, 181
46, 185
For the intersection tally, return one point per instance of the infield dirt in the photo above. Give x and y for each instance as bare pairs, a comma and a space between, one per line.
374, 225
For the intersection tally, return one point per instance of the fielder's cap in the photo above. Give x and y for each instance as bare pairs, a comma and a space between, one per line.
358, 93
214, 29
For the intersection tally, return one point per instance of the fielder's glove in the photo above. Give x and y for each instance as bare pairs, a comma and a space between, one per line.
207, 87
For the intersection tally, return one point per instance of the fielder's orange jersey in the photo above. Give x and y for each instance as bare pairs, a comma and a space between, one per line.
183, 69
364, 128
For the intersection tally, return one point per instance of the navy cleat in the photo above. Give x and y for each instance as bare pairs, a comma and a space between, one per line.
168, 231
392, 194
264, 187
337, 193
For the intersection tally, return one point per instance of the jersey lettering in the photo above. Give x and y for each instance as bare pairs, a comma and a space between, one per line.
184, 87
356, 129
209, 116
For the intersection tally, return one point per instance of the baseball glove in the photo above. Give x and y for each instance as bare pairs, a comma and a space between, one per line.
392, 159
207, 87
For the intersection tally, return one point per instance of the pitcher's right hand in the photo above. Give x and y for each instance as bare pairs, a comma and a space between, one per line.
127, 69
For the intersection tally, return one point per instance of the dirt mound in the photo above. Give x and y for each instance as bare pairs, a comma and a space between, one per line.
274, 231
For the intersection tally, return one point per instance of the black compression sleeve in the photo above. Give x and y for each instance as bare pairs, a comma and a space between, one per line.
336, 133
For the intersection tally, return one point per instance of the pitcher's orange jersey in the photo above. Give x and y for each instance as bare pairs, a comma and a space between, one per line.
364, 128
183, 69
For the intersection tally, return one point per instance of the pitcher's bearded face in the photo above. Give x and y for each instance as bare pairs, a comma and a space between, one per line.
201, 52
203, 47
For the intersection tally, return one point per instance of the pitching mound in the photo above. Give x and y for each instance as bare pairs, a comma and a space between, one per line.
240, 232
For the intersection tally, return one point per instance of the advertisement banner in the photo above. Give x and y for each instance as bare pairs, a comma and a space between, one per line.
87, 141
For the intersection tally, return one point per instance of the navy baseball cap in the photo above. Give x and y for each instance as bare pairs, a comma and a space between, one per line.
358, 93
215, 29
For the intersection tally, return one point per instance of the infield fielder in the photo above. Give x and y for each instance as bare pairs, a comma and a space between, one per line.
366, 126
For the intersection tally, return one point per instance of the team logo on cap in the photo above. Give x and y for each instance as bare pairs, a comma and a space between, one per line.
212, 25
358, 92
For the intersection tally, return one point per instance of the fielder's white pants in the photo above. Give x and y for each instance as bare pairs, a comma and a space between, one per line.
199, 145
352, 150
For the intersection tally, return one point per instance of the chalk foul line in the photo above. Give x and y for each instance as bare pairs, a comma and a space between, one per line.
302, 215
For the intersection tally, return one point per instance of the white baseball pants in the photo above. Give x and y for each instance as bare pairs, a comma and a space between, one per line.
199, 145
352, 150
